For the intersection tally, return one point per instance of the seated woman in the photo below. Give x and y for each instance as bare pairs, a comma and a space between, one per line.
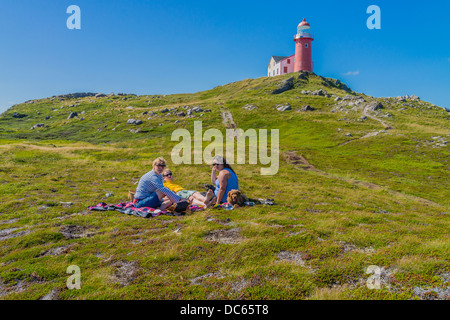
151, 191
226, 181
192, 196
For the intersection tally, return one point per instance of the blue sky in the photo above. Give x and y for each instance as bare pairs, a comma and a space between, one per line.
163, 47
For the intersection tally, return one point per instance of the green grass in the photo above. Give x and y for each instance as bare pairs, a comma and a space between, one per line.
380, 200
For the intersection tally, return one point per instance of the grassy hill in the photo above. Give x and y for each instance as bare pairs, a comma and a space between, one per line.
356, 187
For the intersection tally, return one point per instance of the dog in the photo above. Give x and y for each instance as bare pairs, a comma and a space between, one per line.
236, 198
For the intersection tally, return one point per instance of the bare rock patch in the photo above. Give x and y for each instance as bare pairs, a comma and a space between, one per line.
9, 233
126, 271
55, 251
229, 236
75, 232
200, 279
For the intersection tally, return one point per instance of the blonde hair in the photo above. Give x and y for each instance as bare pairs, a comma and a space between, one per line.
159, 160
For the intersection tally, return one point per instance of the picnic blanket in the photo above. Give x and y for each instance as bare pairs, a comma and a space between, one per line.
144, 212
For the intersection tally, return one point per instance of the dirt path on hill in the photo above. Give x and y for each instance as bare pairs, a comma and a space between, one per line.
228, 120
300, 162
366, 113
230, 124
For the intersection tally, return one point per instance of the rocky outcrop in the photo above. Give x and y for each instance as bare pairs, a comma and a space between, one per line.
374, 106
134, 121
284, 85
283, 107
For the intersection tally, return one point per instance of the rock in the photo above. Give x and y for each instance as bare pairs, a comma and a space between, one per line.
197, 109
129, 108
374, 106
100, 95
18, 115
134, 121
181, 114
38, 125
177, 121
307, 108
47, 117
284, 107
165, 110
109, 194
250, 107
319, 92
72, 115
74, 231
134, 130
349, 135
302, 76
284, 85
337, 99
74, 95
144, 113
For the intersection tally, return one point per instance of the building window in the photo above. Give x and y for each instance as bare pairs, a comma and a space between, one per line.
285, 69
289, 61
306, 45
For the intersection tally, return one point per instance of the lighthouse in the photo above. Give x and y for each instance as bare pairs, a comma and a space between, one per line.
301, 60
303, 49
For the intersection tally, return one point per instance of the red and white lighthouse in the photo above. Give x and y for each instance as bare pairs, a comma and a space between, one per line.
303, 48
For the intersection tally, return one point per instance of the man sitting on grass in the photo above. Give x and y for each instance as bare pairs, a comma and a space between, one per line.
151, 190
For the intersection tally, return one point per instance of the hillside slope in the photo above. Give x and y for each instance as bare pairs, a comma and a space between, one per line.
362, 181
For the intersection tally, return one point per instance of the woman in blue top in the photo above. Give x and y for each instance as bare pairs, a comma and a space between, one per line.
226, 181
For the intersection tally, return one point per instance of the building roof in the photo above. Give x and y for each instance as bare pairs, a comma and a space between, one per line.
304, 23
278, 58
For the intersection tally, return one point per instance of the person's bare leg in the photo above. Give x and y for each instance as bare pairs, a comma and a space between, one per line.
160, 194
165, 204
198, 196
198, 203
209, 196
211, 203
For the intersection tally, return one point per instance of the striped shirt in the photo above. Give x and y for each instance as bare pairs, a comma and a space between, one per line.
149, 183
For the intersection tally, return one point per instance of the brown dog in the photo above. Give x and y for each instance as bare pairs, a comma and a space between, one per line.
235, 197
